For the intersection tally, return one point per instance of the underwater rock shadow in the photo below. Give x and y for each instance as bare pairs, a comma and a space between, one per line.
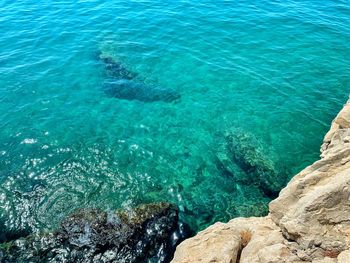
123, 84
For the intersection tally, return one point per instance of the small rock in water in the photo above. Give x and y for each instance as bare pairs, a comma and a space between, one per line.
92, 235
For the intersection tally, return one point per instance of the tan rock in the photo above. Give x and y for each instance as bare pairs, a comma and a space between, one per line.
308, 222
341, 122
344, 257
217, 243
325, 260
314, 208
220, 242
250, 239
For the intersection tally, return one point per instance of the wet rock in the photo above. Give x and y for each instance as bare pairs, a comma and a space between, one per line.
149, 232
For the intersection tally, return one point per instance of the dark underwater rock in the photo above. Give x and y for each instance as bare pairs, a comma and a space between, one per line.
149, 233
132, 90
116, 69
124, 84
11, 234
242, 157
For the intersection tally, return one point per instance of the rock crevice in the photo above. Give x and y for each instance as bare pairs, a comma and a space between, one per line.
308, 222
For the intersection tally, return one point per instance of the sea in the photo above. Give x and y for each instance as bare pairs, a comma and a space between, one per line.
211, 105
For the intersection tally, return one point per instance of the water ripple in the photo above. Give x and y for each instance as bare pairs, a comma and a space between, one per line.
271, 74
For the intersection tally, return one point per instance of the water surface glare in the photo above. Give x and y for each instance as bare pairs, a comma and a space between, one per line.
233, 98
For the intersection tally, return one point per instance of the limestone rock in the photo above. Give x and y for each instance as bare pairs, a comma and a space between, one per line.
314, 208
308, 222
218, 243
341, 122
344, 257
250, 239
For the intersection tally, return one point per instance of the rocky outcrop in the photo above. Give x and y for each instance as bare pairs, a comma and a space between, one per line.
148, 233
308, 222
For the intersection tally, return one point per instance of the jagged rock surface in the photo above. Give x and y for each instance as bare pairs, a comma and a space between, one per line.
91, 235
308, 222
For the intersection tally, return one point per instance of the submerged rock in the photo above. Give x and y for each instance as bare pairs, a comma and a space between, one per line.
148, 233
241, 157
308, 222
7, 234
123, 84
116, 69
131, 90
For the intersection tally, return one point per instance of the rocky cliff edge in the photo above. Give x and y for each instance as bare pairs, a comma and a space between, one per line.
308, 222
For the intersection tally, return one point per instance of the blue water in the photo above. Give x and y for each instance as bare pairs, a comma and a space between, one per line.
259, 83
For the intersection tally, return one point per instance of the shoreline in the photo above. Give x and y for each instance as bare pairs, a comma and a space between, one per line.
307, 222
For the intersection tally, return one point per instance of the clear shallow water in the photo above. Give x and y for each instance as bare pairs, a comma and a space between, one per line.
269, 75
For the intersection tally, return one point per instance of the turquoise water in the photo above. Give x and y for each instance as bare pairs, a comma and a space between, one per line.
259, 83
